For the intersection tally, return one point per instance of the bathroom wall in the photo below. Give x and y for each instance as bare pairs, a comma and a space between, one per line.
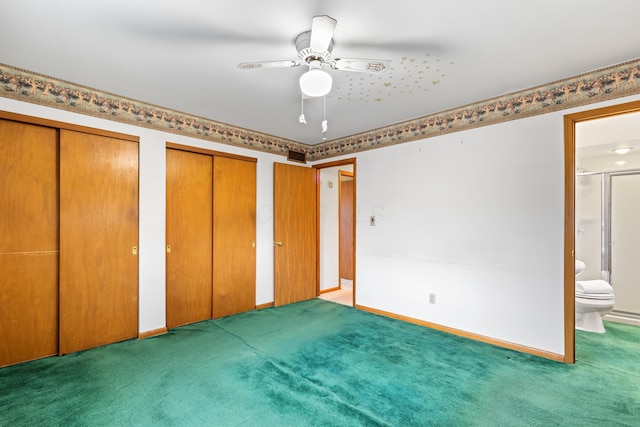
589, 225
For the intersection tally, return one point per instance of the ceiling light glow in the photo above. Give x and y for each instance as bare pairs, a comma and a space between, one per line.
315, 82
622, 150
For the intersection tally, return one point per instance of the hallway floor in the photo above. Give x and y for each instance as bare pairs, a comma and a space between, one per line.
343, 296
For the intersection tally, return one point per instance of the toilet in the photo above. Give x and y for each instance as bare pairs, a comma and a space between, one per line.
594, 299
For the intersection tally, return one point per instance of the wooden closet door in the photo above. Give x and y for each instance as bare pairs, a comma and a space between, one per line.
98, 240
294, 228
234, 236
28, 242
189, 237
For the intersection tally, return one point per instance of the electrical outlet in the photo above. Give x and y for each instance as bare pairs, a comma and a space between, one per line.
432, 298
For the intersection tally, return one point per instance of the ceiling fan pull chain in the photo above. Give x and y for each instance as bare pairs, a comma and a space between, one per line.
301, 119
324, 117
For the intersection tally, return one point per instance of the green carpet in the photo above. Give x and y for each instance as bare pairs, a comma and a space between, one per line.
318, 363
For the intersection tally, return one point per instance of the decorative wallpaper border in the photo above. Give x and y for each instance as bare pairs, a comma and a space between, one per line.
37, 88
595, 86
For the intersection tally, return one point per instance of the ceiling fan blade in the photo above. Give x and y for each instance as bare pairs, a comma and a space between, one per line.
321, 33
268, 64
361, 65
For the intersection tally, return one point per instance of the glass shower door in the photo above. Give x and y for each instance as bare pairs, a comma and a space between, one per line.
625, 242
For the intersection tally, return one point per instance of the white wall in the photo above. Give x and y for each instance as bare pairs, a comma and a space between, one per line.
329, 231
475, 217
152, 206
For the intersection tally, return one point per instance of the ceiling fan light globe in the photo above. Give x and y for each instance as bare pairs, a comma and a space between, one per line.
315, 83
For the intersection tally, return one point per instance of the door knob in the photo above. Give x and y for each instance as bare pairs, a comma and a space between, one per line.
277, 243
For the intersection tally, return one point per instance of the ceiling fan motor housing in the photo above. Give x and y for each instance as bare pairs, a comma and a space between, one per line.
306, 54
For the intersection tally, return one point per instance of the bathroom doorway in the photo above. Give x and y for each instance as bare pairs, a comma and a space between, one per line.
601, 130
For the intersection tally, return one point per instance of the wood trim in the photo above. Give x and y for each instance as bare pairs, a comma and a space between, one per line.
600, 113
265, 305
209, 152
465, 334
68, 126
324, 291
318, 235
569, 240
351, 161
152, 333
340, 174
570, 121
355, 226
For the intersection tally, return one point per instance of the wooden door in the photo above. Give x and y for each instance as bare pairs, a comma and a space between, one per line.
346, 225
234, 236
294, 212
98, 240
29, 242
189, 237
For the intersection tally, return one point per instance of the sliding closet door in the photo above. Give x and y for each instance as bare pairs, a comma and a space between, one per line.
234, 236
189, 237
29, 242
98, 240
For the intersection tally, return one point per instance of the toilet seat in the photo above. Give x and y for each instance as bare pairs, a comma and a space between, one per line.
608, 296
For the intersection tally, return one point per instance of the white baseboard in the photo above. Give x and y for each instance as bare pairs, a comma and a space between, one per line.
621, 319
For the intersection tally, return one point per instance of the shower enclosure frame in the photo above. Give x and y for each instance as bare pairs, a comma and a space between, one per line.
605, 215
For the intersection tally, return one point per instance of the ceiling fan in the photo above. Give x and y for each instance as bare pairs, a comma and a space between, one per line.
314, 49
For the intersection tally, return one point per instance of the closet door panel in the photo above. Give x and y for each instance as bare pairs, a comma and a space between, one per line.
189, 237
29, 242
234, 236
98, 240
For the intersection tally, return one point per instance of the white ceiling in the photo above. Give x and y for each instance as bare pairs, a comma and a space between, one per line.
183, 54
596, 140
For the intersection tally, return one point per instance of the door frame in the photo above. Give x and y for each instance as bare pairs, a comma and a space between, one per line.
570, 121
341, 175
318, 167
